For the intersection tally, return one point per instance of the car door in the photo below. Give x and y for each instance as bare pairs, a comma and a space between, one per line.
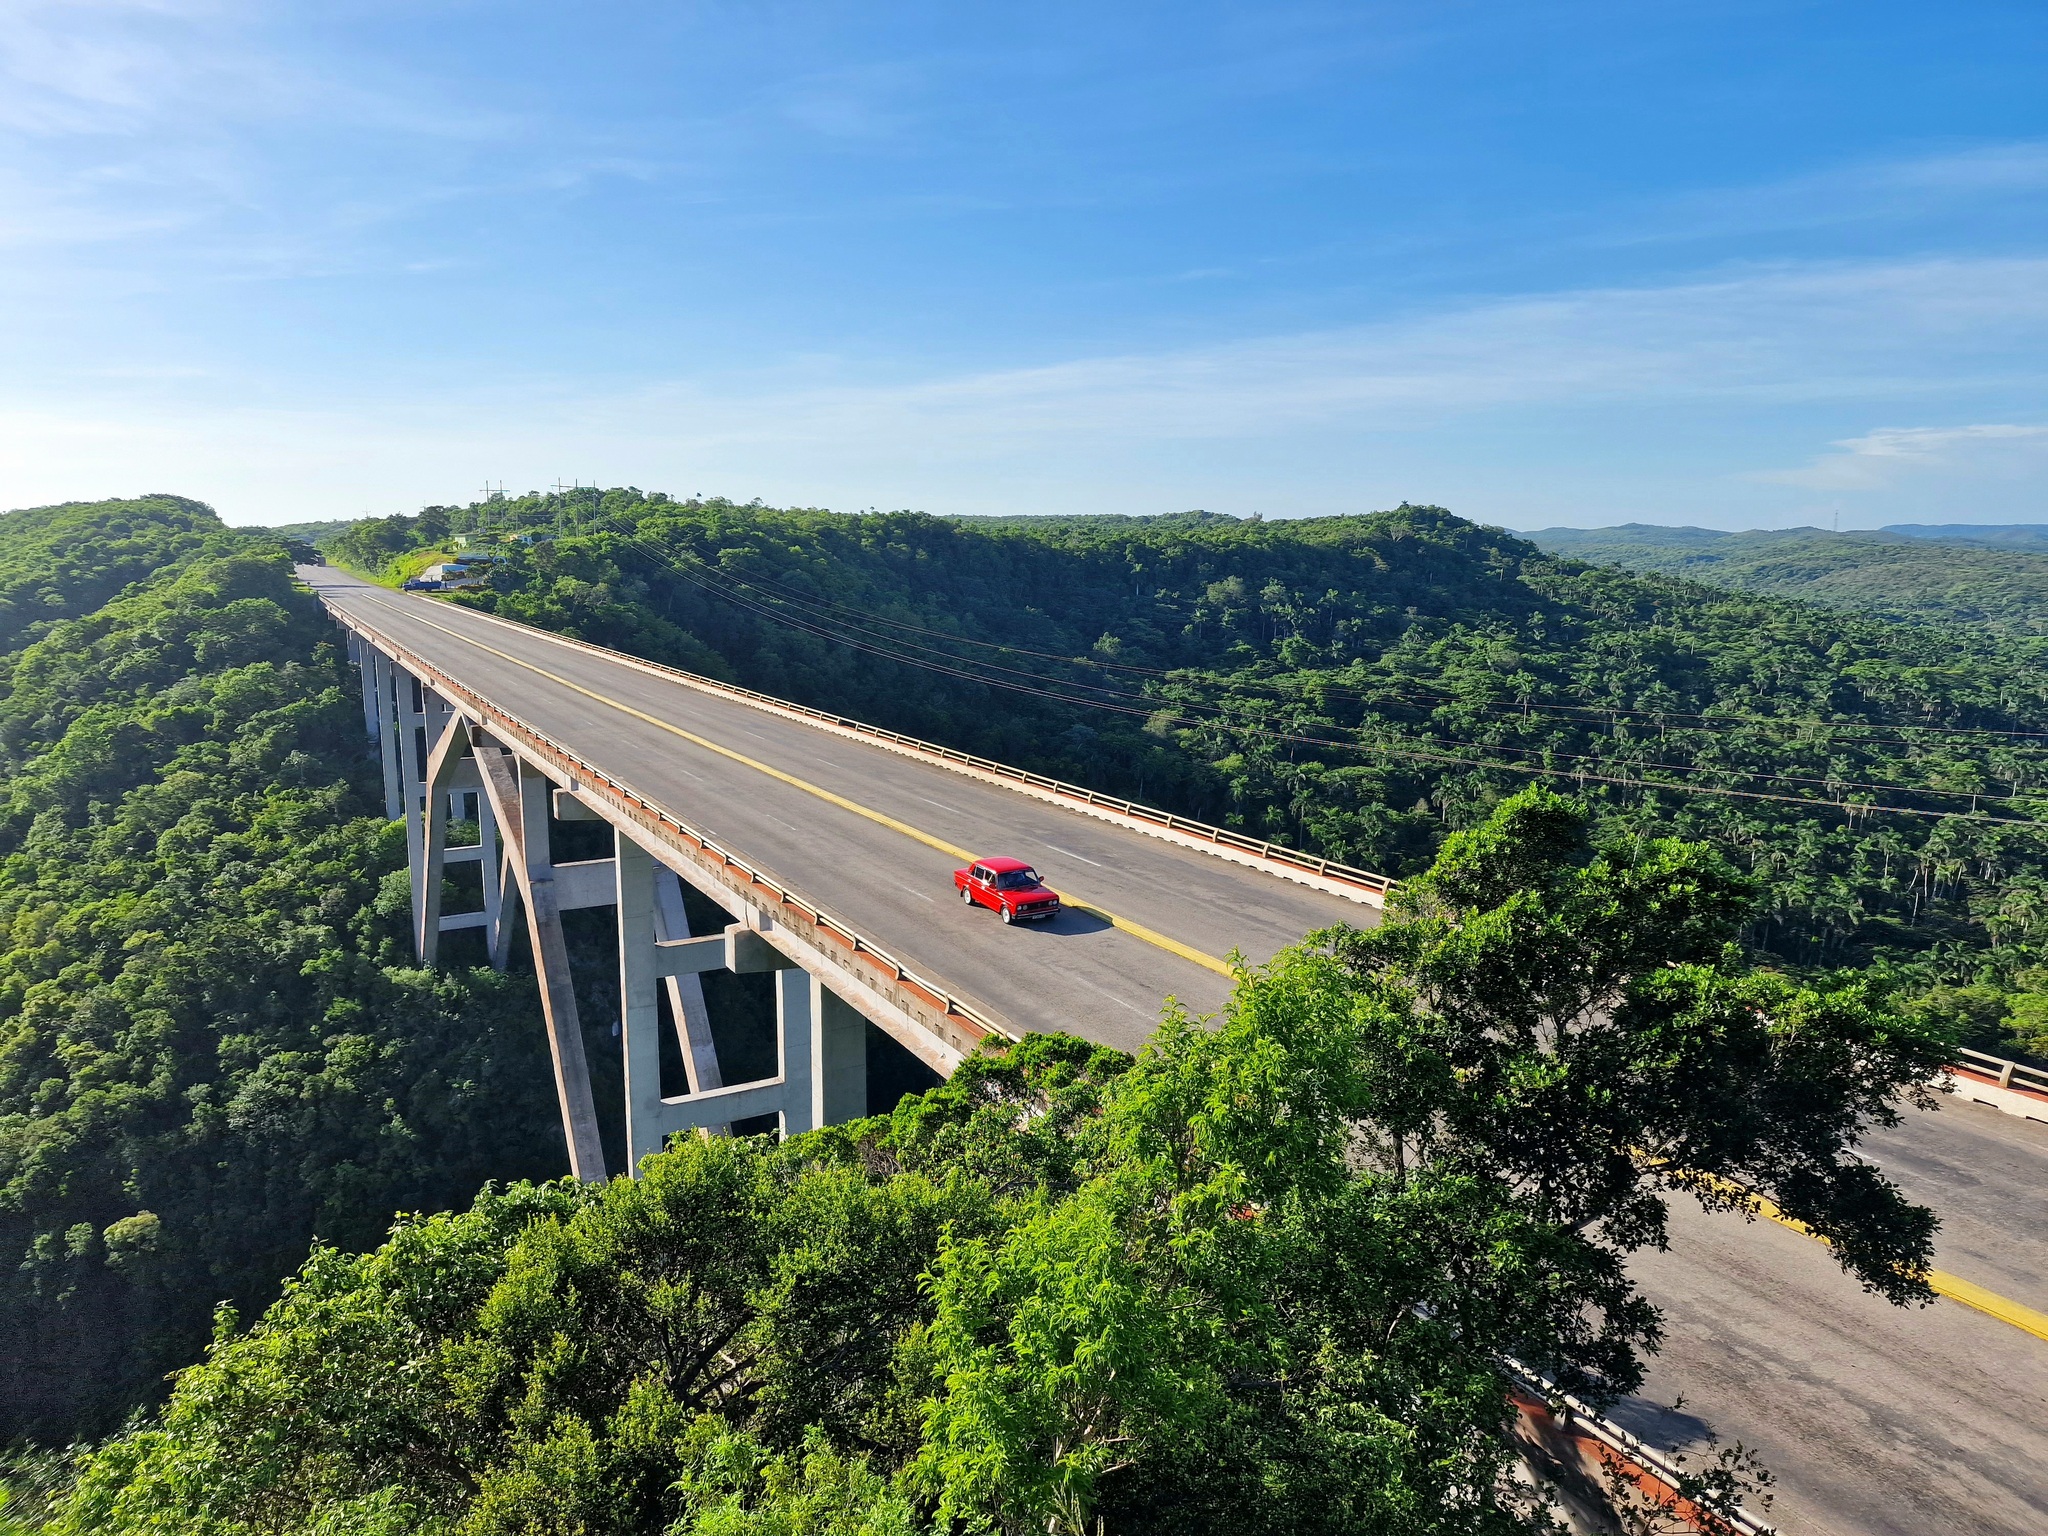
982, 884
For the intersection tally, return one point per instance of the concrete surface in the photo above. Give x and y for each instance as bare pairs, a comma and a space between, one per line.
1876, 1421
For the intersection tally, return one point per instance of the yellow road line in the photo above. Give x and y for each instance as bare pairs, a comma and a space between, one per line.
1124, 924
1940, 1281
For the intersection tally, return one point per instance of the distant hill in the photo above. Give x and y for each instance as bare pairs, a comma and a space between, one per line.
60, 561
2002, 535
1994, 577
319, 535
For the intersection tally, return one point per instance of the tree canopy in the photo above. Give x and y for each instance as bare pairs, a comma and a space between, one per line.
1260, 1278
213, 1046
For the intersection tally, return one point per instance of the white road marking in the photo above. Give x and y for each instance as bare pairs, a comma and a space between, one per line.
920, 895
1056, 848
928, 800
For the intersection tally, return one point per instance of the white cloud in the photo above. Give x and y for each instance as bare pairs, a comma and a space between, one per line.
1859, 193
1781, 336
1879, 459
1610, 366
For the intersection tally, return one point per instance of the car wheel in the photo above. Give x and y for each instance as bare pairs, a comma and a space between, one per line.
1009, 914
967, 896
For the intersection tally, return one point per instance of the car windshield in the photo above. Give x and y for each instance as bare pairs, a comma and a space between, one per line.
1016, 879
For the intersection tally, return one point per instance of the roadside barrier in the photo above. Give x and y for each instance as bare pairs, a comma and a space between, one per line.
1655, 1475
1361, 884
2011, 1087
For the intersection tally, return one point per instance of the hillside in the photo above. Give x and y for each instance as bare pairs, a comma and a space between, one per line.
206, 1017
211, 1052
217, 1064
59, 562
1993, 577
1995, 535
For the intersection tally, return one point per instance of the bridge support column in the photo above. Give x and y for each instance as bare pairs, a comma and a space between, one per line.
821, 1043
379, 682
796, 1026
411, 717
639, 1002
492, 861
363, 655
519, 798
450, 750
839, 1059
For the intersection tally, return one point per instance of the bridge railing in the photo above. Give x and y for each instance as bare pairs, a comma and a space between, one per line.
665, 824
2010, 1074
1279, 853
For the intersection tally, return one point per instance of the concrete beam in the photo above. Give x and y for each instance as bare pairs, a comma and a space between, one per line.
689, 957
747, 953
585, 883
569, 808
685, 991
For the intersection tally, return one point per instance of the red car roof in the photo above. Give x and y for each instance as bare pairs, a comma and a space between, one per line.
1002, 866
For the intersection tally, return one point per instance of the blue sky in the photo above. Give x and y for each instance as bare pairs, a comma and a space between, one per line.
1740, 265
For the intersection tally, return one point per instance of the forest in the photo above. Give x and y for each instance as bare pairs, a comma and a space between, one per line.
1361, 686
1800, 844
1912, 574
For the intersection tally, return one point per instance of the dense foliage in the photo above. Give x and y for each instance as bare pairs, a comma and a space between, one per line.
1934, 576
1360, 686
212, 1050
59, 562
1258, 1280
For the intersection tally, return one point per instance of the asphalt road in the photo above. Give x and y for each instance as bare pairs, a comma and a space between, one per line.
1076, 973
1875, 1421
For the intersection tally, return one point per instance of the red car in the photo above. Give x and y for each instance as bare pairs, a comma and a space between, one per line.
1010, 886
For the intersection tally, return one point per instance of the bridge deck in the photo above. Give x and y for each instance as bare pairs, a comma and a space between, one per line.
1076, 973
1878, 1422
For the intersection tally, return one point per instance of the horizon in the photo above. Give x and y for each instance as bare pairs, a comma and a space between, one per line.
1742, 268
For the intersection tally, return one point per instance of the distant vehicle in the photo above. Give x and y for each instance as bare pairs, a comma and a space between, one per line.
1009, 886
454, 575
421, 584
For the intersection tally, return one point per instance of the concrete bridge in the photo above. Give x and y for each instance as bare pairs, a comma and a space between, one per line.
829, 847
830, 844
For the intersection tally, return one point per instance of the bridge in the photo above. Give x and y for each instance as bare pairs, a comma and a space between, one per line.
826, 847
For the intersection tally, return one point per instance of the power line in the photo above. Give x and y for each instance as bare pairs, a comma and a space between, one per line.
894, 650
1658, 718
1383, 749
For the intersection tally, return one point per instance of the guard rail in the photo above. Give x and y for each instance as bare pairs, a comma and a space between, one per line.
662, 822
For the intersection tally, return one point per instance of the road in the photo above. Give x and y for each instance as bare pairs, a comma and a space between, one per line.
1076, 973
1876, 1421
